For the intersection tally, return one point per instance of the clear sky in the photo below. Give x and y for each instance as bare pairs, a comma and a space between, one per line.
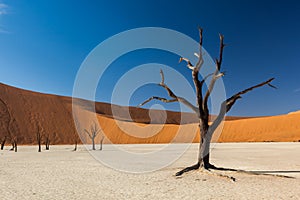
43, 43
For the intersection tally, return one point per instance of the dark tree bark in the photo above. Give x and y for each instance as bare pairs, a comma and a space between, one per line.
12, 145
93, 141
94, 131
202, 111
15, 144
75, 148
77, 126
39, 138
101, 143
47, 142
3, 142
12, 128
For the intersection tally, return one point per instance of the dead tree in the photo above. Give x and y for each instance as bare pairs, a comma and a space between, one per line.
3, 142
5, 118
201, 109
75, 143
12, 127
47, 142
39, 138
94, 131
101, 142
14, 144
75, 134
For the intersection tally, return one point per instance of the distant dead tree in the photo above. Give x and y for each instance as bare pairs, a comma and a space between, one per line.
3, 142
47, 142
6, 119
101, 142
94, 131
39, 138
13, 132
12, 127
206, 130
75, 144
76, 138
14, 144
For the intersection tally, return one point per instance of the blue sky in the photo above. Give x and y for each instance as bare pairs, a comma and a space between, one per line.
43, 43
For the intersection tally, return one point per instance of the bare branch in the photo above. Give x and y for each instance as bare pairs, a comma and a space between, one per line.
172, 95
189, 64
195, 72
272, 86
200, 56
228, 103
88, 133
205, 78
162, 84
217, 73
162, 77
222, 45
158, 98
232, 100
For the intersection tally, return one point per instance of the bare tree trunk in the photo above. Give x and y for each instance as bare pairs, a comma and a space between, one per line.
39, 141
204, 148
3, 143
12, 146
47, 143
75, 148
16, 146
101, 143
40, 148
93, 141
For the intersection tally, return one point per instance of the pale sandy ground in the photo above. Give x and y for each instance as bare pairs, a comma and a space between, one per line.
63, 174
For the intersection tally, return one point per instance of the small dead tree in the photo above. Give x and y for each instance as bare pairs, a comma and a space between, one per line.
206, 130
12, 126
75, 144
3, 142
6, 118
14, 144
47, 142
94, 131
101, 142
39, 138
76, 138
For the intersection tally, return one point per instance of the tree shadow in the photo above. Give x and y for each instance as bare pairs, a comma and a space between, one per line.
258, 172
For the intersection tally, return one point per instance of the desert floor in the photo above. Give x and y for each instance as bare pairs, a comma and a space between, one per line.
63, 174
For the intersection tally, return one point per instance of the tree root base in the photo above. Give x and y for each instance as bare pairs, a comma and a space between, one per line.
212, 170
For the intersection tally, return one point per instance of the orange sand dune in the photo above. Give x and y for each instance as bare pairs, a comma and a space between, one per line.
54, 114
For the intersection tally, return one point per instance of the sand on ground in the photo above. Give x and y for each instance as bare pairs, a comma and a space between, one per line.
63, 174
